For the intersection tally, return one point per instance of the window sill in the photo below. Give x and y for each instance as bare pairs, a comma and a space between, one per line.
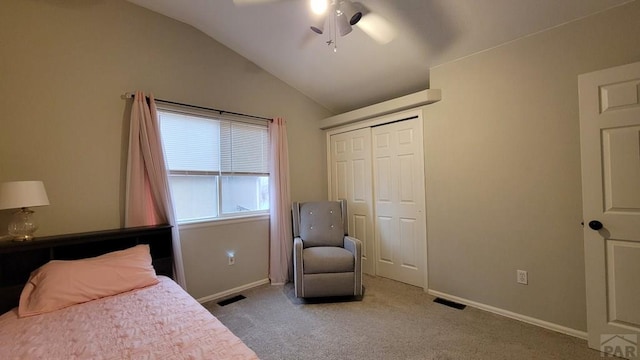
222, 221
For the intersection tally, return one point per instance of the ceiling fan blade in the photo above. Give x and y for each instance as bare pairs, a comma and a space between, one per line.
379, 28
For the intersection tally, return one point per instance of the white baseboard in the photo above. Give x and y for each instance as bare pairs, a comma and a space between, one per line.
235, 290
512, 315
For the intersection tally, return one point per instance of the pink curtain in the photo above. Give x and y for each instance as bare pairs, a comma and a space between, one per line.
148, 197
280, 239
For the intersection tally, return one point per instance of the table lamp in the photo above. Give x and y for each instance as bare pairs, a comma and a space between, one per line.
22, 195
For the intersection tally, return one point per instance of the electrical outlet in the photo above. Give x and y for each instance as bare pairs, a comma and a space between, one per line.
232, 259
522, 277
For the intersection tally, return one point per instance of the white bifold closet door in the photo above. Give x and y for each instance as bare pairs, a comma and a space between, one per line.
380, 172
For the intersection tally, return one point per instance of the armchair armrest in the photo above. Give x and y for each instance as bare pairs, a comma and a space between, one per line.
297, 265
355, 247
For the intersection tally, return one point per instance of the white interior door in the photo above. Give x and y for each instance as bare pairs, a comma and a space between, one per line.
610, 142
398, 178
351, 180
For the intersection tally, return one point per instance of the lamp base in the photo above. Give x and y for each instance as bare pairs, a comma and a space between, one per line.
22, 225
22, 238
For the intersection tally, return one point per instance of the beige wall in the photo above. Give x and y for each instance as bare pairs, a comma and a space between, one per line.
63, 67
206, 246
503, 167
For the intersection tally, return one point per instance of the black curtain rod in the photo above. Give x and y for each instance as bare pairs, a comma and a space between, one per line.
221, 112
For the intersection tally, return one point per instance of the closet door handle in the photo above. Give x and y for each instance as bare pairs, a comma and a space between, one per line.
595, 225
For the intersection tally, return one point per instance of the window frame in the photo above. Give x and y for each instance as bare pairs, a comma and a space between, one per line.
215, 116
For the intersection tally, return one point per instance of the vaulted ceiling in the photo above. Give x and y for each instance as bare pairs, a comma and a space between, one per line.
276, 36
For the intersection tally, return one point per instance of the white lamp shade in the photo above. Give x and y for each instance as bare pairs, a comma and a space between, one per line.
22, 194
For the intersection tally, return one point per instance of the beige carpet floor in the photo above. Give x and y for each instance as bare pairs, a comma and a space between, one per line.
392, 321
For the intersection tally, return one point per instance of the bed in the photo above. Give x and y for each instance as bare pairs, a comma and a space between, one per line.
156, 321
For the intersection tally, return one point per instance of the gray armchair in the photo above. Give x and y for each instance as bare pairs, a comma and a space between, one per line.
326, 261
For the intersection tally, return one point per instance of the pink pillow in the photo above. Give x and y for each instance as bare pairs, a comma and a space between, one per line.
61, 283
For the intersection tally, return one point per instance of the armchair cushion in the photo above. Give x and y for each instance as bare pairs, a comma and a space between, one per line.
321, 224
327, 259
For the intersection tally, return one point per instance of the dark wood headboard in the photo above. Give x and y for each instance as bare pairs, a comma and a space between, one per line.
19, 259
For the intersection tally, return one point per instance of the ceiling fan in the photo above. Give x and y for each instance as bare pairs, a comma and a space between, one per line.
340, 16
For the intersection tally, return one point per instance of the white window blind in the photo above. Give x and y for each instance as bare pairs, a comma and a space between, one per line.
190, 142
244, 148
217, 167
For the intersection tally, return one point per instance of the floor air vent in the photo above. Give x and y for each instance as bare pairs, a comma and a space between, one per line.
449, 303
231, 300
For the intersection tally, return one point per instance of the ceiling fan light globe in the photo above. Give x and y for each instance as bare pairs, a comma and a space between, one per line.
319, 7
317, 26
343, 24
355, 18
354, 11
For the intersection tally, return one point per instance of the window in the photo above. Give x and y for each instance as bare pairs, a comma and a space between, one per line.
217, 167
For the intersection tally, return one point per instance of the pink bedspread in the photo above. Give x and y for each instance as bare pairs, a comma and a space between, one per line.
158, 322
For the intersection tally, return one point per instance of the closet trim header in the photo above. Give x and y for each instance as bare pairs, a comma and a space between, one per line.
420, 98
